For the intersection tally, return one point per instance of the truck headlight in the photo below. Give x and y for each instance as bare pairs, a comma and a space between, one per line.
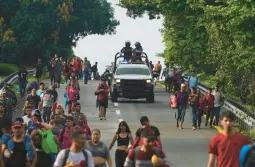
148, 81
117, 80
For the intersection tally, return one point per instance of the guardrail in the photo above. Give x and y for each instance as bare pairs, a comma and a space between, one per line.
13, 78
244, 118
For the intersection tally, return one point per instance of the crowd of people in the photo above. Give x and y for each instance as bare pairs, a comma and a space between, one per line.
48, 136
228, 148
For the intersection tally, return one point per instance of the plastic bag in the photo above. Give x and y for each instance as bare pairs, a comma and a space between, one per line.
173, 102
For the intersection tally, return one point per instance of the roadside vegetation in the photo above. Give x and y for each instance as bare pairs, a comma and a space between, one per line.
39, 29
215, 38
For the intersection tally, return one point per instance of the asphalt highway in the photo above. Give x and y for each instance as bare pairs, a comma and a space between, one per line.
184, 148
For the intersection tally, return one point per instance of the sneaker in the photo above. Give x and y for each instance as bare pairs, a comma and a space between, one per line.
101, 118
104, 118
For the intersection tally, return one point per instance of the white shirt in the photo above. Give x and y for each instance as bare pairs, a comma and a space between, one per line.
75, 158
25, 119
170, 72
217, 97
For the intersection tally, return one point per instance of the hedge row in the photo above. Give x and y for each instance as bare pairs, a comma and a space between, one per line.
6, 69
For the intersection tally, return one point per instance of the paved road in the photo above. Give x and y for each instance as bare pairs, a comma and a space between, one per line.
183, 148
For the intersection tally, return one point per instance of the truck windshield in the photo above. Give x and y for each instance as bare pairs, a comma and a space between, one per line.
132, 71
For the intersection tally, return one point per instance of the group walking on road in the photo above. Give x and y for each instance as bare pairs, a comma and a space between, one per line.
48, 136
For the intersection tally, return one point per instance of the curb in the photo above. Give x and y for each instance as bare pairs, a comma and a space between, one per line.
218, 128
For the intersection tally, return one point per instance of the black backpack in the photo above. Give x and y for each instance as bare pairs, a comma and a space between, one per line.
249, 160
67, 151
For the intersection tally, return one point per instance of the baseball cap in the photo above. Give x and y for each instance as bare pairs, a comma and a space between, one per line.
17, 123
148, 133
36, 113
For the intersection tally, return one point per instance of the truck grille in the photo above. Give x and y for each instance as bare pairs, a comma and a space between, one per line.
133, 84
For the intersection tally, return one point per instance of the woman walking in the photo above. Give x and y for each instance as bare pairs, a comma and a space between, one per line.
123, 137
99, 150
194, 102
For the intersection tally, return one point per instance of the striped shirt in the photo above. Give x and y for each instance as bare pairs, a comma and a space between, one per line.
143, 159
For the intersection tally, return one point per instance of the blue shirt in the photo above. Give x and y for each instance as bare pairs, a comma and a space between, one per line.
193, 82
39, 92
243, 153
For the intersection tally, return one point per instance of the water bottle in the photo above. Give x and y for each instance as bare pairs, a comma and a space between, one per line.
17, 89
7, 154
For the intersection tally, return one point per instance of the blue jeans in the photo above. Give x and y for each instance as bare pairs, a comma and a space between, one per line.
22, 87
194, 114
52, 157
86, 75
217, 114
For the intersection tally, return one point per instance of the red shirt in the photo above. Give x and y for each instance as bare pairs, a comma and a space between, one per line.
227, 149
201, 104
86, 129
77, 65
209, 101
102, 95
144, 159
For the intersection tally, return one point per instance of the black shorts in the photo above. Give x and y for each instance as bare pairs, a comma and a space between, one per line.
103, 103
72, 101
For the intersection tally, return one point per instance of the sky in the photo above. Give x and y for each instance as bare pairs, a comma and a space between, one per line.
102, 48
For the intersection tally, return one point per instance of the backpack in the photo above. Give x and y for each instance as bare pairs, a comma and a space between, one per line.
249, 160
61, 135
67, 151
173, 102
137, 150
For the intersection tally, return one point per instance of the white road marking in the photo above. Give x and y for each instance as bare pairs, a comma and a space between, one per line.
118, 112
116, 104
120, 120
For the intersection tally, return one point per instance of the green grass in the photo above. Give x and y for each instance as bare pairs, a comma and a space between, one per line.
162, 82
30, 79
6, 69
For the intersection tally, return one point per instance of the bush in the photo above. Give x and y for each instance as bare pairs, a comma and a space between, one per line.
7, 69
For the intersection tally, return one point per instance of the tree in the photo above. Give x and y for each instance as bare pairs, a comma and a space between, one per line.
214, 37
42, 28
